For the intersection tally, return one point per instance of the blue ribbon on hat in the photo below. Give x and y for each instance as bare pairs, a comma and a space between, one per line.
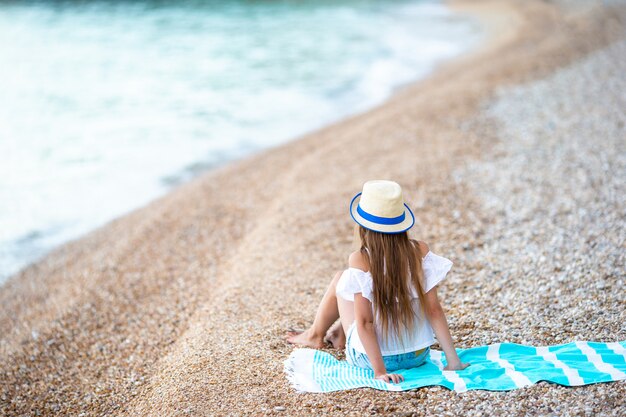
380, 220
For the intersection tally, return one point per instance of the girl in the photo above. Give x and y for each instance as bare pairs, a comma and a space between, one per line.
387, 299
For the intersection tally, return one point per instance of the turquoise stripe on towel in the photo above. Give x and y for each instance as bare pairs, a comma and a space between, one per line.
497, 367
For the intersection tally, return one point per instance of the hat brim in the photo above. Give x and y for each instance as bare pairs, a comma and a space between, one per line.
406, 224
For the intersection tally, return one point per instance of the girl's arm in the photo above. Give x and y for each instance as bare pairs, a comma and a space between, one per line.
437, 318
367, 333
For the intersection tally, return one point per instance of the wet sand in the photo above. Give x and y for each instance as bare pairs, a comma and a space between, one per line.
511, 158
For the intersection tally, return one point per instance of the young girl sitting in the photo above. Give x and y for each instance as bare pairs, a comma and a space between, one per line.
387, 299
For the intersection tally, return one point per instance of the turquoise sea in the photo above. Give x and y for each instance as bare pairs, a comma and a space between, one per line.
106, 105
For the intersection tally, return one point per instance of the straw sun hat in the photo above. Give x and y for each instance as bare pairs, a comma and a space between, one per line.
380, 207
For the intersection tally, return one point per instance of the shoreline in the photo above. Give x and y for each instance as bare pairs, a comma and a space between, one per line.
32, 240
149, 314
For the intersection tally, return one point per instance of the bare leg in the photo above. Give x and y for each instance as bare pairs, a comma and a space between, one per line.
346, 311
327, 314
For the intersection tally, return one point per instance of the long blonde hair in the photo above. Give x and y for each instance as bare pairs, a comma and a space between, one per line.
395, 263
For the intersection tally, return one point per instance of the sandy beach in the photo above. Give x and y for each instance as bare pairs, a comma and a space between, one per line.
513, 158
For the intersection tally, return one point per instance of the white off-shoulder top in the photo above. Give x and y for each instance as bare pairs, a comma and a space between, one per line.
354, 281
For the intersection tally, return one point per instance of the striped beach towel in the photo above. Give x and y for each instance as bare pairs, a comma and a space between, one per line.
497, 367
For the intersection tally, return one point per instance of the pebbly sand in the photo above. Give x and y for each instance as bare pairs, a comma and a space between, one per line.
514, 159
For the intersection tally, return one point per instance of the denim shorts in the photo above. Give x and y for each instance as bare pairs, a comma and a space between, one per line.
392, 362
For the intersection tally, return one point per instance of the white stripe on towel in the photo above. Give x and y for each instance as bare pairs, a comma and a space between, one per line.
493, 354
299, 370
617, 348
452, 376
597, 361
573, 378
435, 357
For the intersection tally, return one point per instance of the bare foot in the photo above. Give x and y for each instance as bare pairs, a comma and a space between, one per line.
336, 336
305, 338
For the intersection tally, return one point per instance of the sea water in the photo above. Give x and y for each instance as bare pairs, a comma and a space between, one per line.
105, 105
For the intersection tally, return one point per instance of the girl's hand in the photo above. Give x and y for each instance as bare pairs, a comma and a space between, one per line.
395, 378
456, 367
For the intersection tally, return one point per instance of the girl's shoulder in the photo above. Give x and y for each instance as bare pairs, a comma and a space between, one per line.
355, 279
359, 261
422, 248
